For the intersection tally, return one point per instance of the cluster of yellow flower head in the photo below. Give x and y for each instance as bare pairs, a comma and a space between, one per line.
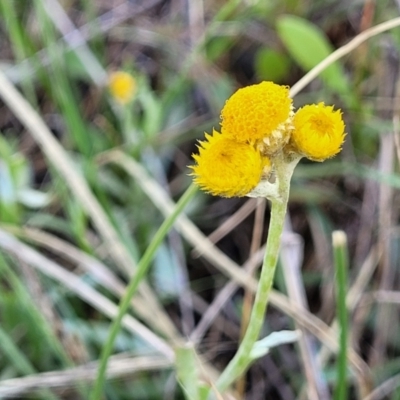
259, 127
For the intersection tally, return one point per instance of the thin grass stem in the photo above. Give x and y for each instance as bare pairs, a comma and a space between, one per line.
142, 269
341, 266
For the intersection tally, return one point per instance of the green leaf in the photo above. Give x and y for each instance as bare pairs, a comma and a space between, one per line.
218, 46
166, 273
262, 347
152, 111
187, 371
7, 186
308, 46
32, 198
341, 262
271, 65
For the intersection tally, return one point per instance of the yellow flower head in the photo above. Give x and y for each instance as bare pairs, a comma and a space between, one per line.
225, 167
258, 112
122, 86
318, 131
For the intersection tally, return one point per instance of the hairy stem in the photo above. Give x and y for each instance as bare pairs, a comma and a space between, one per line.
242, 360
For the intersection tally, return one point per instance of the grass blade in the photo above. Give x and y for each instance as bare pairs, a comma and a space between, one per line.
341, 261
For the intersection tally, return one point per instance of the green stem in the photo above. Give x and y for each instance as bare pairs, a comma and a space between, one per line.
142, 269
341, 267
241, 361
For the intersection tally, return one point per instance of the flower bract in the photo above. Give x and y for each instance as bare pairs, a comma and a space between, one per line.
318, 131
258, 112
227, 168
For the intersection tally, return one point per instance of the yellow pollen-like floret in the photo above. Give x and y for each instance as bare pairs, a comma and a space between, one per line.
225, 167
318, 131
122, 86
255, 112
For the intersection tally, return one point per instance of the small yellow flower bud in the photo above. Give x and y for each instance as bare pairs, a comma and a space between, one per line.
122, 86
318, 132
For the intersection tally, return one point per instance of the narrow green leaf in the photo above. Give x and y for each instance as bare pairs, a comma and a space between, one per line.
263, 346
142, 269
341, 260
15, 356
186, 367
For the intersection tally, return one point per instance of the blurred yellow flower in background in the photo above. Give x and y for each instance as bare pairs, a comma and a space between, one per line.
122, 86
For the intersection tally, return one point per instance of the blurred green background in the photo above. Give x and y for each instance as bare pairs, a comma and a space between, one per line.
65, 258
